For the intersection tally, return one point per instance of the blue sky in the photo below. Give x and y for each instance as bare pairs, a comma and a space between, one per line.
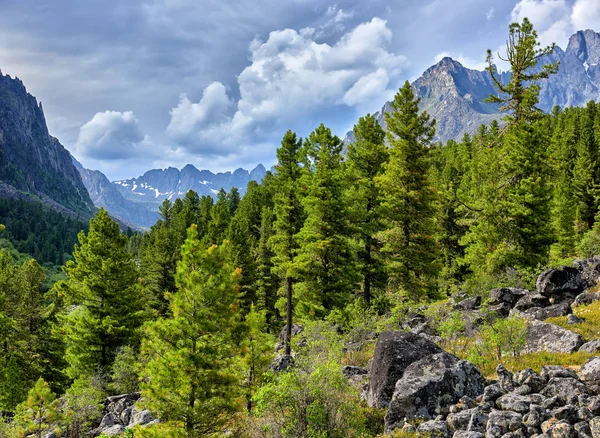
139, 84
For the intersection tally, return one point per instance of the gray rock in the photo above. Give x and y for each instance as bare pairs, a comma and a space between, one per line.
114, 430
517, 403
492, 392
543, 313
590, 269
501, 310
532, 300
350, 371
126, 415
460, 420
551, 371
591, 347
430, 385
467, 434
586, 298
296, 330
502, 422
568, 413
537, 415
595, 427
468, 304
140, 417
434, 429
107, 421
281, 363
505, 379
542, 336
583, 429
508, 295
560, 282
593, 405
564, 388
478, 421
562, 429
394, 352
590, 371
573, 319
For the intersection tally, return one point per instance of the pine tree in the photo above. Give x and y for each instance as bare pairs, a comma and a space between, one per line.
408, 242
289, 216
326, 260
365, 158
191, 375
103, 285
39, 411
220, 216
267, 281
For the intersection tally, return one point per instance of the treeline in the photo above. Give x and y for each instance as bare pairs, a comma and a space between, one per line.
44, 234
188, 311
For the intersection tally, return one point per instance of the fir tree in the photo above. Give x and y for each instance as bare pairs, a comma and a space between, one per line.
103, 285
326, 260
366, 157
191, 376
289, 216
408, 242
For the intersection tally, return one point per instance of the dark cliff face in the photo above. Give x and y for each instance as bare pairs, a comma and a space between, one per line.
454, 95
31, 160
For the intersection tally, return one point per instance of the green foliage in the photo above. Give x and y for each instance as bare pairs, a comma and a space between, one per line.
451, 329
103, 286
190, 373
124, 373
409, 239
507, 336
589, 329
39, 412
314, 398
83, 404
365, 160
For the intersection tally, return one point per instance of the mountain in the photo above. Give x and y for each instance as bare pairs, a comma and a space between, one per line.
156, 185
454, 94
33, 164
104, 194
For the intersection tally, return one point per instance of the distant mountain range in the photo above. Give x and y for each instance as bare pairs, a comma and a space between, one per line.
454, 94
136, 200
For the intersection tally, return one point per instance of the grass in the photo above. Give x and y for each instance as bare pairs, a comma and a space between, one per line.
361, 356
590, 328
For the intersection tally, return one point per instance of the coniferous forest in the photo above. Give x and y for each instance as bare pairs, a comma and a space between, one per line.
240, 316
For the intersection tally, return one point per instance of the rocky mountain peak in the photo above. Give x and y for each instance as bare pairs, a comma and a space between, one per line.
585, 45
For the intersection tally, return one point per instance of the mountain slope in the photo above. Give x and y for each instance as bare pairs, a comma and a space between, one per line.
454, 94
104, 194
32, 162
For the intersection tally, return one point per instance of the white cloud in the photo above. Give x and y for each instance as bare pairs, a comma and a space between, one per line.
490, 14
556, 20
289, 75
110, 135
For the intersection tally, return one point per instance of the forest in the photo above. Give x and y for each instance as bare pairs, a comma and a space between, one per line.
345, 240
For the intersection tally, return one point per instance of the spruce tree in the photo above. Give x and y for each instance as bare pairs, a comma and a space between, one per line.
365, 159
289, 216
326, 261
409, 241
103, 286
191, 376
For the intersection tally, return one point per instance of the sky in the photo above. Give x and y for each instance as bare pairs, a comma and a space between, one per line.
128, 86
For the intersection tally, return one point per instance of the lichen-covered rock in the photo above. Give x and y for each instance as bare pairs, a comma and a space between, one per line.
471, 303
542, 336
574, 319
502, 422
543, 313
114, 430
590, 372
434, 429
508, 295
590, 270
140, 417
564, 389
394, 352
586, 298
430, 385
531, 300
350, 371
591, 347
595, 427
559, 283
281, 363
467, 434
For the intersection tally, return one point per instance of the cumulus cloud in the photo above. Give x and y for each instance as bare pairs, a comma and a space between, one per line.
289, 74
110, 135
556, 20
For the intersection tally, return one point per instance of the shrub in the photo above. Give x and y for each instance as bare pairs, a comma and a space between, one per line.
83, 404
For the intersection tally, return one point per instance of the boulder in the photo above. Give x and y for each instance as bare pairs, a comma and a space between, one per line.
467, 434
574, 319
430, 385
591, 347
350, 371
434, 429
559, 283
140, 417
590, 372
107, 421
564, 389
468, 304
281, 363
590, 269
115, 430
503, 422
595, 427
586, 298
543, 313
542, 336
394, 352
296, 330
509, 295
532, 300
